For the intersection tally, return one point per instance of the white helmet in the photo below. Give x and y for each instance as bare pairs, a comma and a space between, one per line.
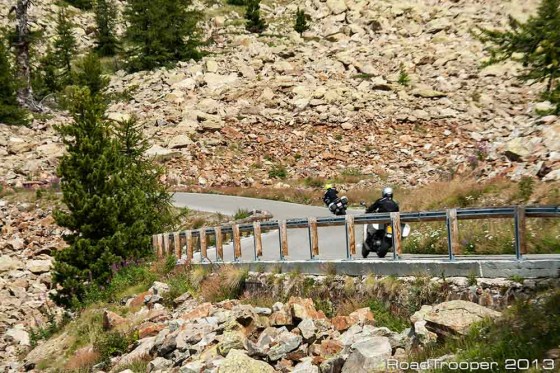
387, 192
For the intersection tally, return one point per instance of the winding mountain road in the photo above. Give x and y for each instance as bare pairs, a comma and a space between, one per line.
332, 240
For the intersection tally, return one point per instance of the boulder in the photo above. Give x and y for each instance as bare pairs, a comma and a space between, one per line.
9, 264
159, 288
238, 362
306, 367
285, 342
518, 149
39, 266
17, 335
179, 142
162, 154
336, 6
368, 356
159, 364
307, 328
303, 308
456, 317
363, 316
232, 340
427, 92
112, 320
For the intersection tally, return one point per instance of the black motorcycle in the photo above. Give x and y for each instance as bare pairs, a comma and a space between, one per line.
378, 238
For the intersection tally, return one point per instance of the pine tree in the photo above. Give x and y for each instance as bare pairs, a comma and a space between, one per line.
113, 196
537, 41
255, 23
88, 73
44, 76
10, 111
161, 32
105, 19
64, 48
301, 22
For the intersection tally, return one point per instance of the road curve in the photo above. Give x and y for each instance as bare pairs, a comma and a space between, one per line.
332, 240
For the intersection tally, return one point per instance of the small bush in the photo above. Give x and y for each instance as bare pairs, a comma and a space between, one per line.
113, 344
278, 172
237, 2
384, 316
314, 182
404, 78
51, 327
241, 214
525, 188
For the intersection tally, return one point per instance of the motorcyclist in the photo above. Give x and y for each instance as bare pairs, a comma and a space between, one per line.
331, 194
385, 203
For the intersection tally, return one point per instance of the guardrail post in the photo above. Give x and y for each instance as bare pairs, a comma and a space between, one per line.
283, 232
313, 237
397, 239
190, 249
452, 233
257, 239
203, 244
350, 237
236, 243
160, 245
177, 245
166, 244
520, 243
219, 244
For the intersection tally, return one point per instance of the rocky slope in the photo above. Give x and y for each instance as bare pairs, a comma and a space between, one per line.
288, 337
329, 102
27, 239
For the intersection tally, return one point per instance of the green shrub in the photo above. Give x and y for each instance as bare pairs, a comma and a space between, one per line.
278, 172
241, 214
525, 188
384, 316
404, 79
113, 344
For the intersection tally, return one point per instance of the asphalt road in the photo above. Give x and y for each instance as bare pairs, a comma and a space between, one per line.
332, 240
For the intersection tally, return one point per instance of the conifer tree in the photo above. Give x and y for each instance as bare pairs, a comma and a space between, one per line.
64, 48
301, 22
161, 32
255, 23
538, 43
45, 76
88, 73
10, 111
112, 192
105, 19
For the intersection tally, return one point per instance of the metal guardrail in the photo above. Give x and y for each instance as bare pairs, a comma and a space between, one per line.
168, 243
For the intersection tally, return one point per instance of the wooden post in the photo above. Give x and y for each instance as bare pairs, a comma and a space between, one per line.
177, 245
219, 244
154, 243
236, 242
351, 233
189, 245
258, 239
397, 243
313, 237
520, 228
203, 244
283, 239
454, 231
166, 244
160, 245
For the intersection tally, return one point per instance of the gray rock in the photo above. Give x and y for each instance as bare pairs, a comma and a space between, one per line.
237, 362
159, 363
231, 340
332, 365
9, 264
306, 367
179, 142
308, 329
192, 367
368, 355
286, 342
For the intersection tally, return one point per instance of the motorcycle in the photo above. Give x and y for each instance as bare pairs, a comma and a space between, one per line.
339, 206
378, 238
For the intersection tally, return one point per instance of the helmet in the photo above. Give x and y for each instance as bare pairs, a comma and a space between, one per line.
387, 192
328, 186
